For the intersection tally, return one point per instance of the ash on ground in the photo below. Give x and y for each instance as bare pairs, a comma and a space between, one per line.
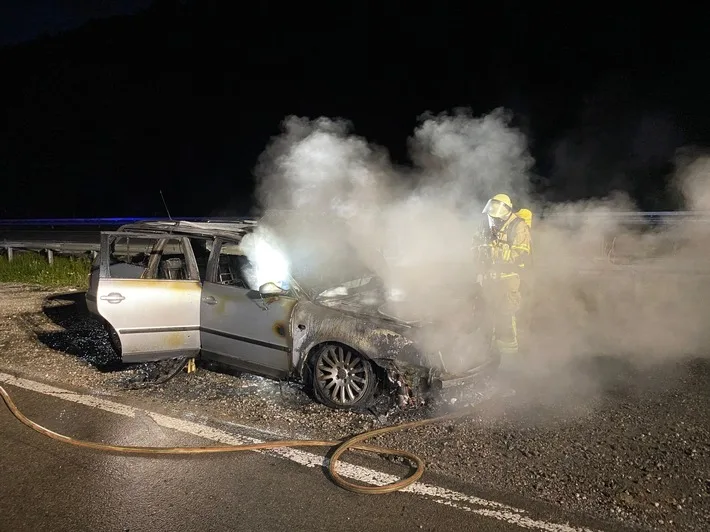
635, 451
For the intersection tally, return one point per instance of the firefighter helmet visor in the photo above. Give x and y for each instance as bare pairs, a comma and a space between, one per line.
497, 209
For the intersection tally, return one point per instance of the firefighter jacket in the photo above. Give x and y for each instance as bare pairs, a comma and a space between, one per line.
511, 247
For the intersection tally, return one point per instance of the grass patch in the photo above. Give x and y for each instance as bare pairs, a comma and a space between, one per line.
33, 268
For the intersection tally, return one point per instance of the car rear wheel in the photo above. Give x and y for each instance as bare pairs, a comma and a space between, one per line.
342, 377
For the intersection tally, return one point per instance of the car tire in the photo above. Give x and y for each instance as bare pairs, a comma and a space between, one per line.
342, 378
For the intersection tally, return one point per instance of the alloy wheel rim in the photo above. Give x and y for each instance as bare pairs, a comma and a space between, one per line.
342, 375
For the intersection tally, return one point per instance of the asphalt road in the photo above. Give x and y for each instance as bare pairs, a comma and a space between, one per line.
49, 485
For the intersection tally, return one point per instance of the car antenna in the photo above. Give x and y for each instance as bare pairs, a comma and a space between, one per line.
166, 206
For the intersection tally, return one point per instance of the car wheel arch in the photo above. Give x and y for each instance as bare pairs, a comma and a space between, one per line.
309, 352
114, 338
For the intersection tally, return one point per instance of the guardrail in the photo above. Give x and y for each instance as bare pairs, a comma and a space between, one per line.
50, 247
39, 222
96, 222
47, 238
651, 216
57, 235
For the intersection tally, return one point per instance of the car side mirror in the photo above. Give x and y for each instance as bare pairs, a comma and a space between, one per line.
271, 290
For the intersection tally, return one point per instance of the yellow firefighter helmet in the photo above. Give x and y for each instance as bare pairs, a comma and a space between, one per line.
499, 206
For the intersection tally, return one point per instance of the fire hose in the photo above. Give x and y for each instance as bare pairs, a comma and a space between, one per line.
351, 444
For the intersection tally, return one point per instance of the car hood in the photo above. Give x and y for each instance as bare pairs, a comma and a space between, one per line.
375, 304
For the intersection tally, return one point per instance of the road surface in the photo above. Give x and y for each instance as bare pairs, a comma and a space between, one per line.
48, 485
626, 445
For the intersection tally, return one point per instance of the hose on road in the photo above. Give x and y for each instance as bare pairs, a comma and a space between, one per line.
340, 447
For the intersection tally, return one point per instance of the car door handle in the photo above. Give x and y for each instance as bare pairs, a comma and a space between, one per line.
113, 297
209, 300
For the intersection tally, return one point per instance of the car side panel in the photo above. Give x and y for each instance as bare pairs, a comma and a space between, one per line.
90, 297
314, 324
156, 319
242, 329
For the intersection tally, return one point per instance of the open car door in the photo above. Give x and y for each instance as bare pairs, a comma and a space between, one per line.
149, 293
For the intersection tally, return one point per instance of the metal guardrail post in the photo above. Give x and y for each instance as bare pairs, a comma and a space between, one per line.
50, 256
9, 254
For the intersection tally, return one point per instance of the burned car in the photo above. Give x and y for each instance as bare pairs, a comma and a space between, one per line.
176, 289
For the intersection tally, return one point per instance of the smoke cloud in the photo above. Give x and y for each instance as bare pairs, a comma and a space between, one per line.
601, 285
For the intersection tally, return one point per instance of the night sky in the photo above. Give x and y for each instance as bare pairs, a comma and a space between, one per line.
28, 19
105, 103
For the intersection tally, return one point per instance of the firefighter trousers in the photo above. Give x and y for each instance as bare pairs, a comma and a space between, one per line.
507, 301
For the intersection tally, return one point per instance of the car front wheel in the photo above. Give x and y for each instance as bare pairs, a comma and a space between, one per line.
342, 378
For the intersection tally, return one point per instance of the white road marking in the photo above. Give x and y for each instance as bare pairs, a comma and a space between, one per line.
454, 499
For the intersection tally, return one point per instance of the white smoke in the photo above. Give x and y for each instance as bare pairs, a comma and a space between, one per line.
463, 159
340, 207
267, 263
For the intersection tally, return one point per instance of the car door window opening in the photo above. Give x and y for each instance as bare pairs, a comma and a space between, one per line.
233, 267
149, 258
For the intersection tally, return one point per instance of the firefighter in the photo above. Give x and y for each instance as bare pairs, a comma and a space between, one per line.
509, 250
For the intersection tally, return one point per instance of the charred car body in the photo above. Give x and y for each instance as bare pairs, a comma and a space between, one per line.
178, 289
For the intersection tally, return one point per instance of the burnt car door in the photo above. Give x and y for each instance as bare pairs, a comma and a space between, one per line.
239, 327
149, 293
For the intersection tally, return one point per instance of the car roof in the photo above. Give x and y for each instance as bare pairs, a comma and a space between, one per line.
232, 229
